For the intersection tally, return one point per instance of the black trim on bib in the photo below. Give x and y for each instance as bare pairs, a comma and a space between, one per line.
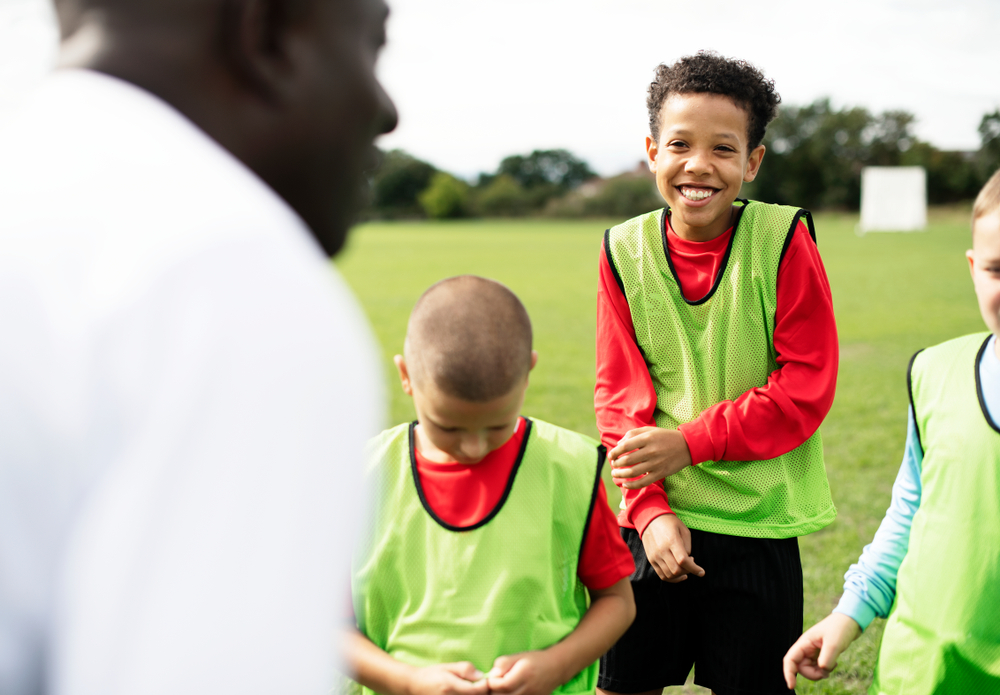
979, 386
909, 390
602, 454
725, 259
791, 232
611, 262
503, 498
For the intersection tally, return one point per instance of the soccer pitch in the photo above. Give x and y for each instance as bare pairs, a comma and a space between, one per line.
893, 294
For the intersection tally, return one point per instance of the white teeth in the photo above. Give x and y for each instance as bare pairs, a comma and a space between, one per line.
696, 194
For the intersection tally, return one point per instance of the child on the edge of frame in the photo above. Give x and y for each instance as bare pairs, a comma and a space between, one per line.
933, 567
716, 363
494, 562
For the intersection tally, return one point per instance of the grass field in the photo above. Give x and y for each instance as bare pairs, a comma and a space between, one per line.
893, 294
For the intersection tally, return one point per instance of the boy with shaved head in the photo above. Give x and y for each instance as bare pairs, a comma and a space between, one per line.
493, 562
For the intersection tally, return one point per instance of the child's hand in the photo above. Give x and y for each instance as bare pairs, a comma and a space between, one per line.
668, 548
828, 638
527, 673
650, 452
448, 679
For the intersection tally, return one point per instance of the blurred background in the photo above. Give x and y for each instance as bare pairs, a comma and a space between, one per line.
537, 107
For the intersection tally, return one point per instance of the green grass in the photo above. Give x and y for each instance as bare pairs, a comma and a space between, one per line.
893, 294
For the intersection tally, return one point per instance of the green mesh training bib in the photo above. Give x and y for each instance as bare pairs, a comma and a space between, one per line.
715, 349
943, 633
430, 593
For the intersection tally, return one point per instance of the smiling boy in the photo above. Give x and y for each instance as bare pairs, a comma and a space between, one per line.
716, 364
493, 562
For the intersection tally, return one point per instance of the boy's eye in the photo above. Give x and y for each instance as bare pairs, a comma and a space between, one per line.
725, 148
676, 143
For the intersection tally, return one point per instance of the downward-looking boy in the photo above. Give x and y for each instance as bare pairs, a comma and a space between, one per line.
494, 562
716, 364
934, 565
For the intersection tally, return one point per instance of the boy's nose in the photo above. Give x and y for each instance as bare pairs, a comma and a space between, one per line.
697, 163
474, 447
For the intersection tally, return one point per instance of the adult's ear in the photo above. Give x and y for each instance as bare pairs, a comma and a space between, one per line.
254, 42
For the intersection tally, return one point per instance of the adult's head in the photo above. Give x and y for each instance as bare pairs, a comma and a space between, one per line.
287, 86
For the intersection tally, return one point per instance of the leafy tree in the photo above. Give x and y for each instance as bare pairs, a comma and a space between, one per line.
397, 183
624, 196
989, 151
445, 197
815, 155
951, 176
541, 167
503, 197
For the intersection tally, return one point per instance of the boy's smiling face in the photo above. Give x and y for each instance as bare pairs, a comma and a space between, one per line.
984, 264
701, 160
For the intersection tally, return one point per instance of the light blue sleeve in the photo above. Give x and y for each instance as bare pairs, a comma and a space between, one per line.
870, 585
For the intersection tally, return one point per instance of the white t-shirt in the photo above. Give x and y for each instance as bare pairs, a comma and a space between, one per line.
186, 386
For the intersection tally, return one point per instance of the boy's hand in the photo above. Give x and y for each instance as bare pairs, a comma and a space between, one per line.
527, 673
815, 653
668, 548
448, 679
650, 452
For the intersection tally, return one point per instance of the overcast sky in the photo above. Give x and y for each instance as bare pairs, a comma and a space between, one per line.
476, 80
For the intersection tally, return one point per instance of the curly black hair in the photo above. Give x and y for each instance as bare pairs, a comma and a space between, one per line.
708, 72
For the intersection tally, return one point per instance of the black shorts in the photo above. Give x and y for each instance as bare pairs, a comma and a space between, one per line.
733, 625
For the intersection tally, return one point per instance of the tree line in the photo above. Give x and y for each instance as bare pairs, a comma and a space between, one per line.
814, 159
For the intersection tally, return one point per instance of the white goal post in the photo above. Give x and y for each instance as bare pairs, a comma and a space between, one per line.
893, 199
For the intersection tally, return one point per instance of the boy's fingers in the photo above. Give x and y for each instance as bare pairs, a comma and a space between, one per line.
501, 665
790, 664
790, 668
631, 468
801, 658
828, 656
465, 687
466, 670
619, 455
689, 565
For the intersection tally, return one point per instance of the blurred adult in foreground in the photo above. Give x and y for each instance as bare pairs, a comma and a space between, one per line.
185, 384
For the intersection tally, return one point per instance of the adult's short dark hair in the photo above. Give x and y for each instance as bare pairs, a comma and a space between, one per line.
470, 337
709, 73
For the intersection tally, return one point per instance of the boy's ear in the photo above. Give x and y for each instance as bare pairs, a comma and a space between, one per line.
404, 374
972, 263
753, 163
534, 360
651, 151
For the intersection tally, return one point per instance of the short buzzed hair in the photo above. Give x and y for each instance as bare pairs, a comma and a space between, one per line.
471, 337
988, 200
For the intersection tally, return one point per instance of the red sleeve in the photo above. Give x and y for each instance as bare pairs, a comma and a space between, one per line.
604, 558
624, 397
773, 419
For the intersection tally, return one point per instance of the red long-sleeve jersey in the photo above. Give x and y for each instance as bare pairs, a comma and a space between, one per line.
764, 422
